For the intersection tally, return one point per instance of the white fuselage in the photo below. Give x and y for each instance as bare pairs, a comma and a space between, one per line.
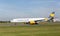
26, 19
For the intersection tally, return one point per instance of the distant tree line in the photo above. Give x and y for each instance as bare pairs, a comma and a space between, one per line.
4, 21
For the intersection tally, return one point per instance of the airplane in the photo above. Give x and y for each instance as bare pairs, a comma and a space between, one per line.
31, 20
28, 20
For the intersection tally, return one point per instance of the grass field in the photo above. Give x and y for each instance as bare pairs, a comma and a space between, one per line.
49, 29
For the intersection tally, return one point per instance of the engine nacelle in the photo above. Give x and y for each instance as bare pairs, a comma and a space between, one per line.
32, 22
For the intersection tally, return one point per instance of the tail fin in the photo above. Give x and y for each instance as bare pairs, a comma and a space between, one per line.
51, 16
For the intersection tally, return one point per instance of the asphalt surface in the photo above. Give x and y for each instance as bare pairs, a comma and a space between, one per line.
16, 24
21, 24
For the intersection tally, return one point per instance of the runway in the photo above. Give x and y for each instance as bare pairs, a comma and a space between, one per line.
21, 24
16, 24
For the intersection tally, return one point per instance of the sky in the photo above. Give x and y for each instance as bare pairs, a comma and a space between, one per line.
10, 9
